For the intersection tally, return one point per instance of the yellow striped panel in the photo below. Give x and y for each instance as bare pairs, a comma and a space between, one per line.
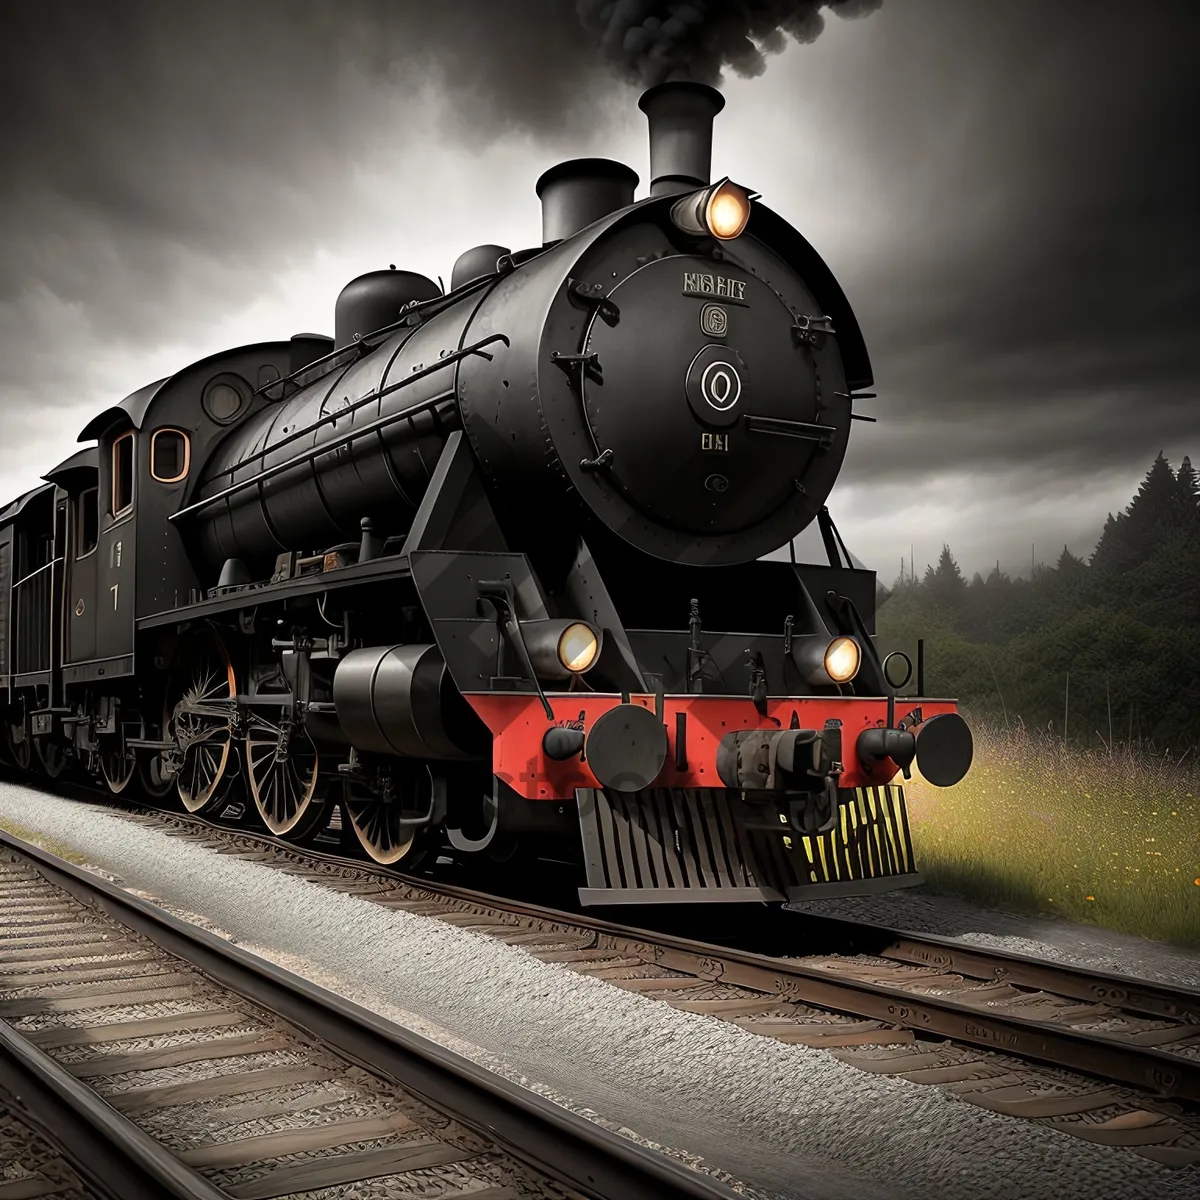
870, 830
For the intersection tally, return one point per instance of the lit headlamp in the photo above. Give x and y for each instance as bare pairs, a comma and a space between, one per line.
842, 659
721, 210
577, 647
824, 662
559, 649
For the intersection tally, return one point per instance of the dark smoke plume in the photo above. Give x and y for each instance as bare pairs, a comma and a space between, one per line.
648, 41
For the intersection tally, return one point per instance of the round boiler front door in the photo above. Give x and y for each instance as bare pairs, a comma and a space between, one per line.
697, 349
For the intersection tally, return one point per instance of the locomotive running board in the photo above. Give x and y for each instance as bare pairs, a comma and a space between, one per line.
697, 845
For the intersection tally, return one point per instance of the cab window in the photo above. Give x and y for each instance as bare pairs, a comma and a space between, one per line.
122, 474
87, 522
170, 455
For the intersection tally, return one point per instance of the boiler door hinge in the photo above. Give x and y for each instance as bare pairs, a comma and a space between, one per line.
593, 297
811, 331
576, 366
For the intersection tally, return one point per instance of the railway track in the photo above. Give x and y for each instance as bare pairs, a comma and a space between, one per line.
168, 1063
1108, 1059
33, 1159
1105, 1058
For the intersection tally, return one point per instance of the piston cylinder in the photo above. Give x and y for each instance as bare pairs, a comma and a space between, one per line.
400, 700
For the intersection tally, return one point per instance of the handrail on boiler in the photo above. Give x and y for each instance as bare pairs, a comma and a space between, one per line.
371, 427
332, 418
307, 456
411, 314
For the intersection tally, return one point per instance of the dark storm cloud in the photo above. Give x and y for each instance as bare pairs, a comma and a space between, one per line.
167, 163
649, 41
141, 134
1038, 301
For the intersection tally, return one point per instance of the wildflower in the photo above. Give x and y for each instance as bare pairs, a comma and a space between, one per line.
1089, 897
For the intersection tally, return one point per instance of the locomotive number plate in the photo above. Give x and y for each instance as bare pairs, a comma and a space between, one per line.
699, 283
714, 441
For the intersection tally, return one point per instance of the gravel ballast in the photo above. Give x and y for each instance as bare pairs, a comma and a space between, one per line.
790, 1120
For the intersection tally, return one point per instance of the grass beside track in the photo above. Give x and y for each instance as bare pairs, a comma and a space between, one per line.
1108, 839
36, 838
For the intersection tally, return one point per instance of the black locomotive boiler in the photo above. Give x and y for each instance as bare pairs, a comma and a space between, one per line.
484, 574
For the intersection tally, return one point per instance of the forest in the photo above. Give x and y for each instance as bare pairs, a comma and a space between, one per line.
1098, 652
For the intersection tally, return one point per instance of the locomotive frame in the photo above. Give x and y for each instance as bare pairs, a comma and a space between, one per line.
346, 570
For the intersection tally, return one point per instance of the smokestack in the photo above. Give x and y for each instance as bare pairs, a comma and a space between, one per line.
582, 190
681, 118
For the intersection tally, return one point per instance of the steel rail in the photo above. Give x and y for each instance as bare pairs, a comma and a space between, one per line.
109, 1152
553, 1140
1145, 997
1089, 1052
1142, 996
1093, 1053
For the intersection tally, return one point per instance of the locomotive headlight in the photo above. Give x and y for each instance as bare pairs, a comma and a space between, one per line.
561, 648
727, 211
577, 647
842, 659
721, 210
823, 662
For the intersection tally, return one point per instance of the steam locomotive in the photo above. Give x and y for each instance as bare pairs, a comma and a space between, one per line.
487, 572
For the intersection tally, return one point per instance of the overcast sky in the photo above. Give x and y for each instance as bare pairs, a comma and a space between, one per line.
1006, 190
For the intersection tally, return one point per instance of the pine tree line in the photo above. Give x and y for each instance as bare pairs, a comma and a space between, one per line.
1103, 650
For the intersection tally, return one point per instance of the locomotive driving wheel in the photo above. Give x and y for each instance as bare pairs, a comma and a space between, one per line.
281, 771
200, 713
382, 816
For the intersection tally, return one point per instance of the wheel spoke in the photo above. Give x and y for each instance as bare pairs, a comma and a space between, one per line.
281, 770
376, 824
193, 773
209, 769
